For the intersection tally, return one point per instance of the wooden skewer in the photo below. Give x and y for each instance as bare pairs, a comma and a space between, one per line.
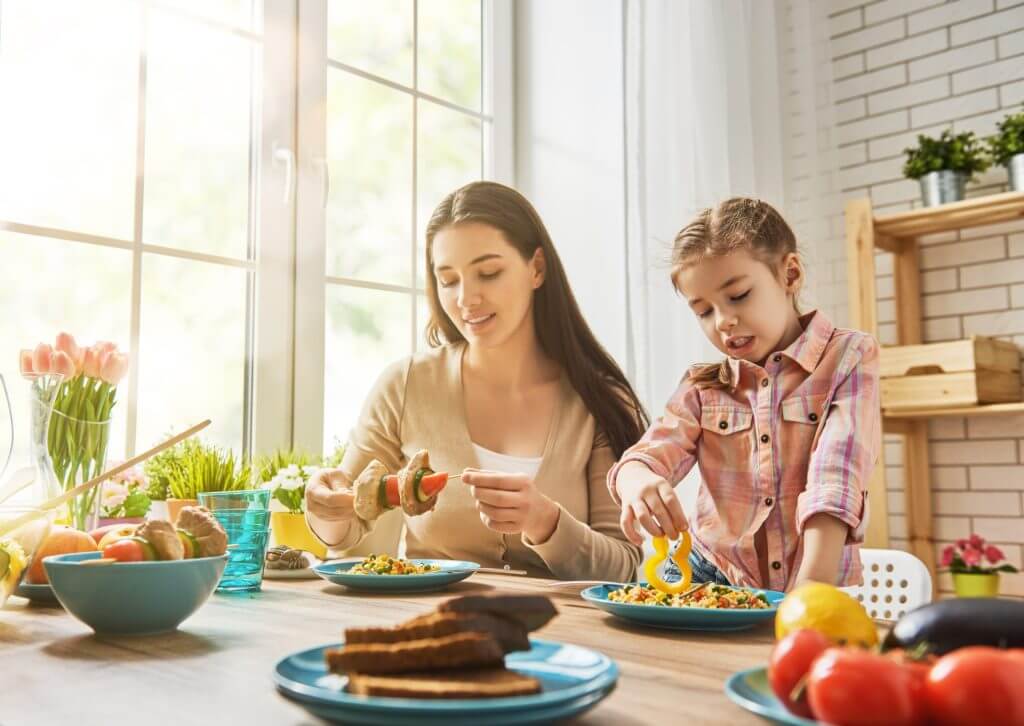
13, 524
100, 561
454, 476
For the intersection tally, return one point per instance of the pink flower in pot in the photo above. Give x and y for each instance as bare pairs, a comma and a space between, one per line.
993, 554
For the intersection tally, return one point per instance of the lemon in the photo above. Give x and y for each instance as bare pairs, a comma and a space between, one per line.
12, 560
828, 610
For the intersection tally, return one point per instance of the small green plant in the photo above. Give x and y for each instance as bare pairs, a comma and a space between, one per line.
1009, 141
960, 152
333, 460
206, 468
161, 468
266, 467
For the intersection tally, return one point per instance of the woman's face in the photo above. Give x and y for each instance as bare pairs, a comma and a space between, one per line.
484, 285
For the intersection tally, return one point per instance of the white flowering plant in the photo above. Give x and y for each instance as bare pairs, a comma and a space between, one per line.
288, 487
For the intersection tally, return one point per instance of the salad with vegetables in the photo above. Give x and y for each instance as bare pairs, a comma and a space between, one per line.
710, 596
387, 565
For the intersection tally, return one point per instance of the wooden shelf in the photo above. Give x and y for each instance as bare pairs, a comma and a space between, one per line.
890, 229
990, 409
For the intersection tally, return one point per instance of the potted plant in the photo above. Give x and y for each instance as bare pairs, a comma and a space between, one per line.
125, 498
944, 165
194, 467
971, 576
1007, 149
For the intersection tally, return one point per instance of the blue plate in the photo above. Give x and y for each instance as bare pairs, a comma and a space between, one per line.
573, 680
451, 571
750, 690
37, 593
684, 618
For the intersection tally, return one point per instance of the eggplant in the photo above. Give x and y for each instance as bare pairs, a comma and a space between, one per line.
950, 624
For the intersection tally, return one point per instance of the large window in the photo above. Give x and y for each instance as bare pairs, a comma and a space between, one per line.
236, 191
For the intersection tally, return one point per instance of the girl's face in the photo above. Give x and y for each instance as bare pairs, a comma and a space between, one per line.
744, 307
484, 285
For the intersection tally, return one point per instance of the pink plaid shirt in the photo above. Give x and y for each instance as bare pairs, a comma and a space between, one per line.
794, 438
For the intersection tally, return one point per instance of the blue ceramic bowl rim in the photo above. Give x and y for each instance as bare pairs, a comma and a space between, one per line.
334, 569
732, 691
72, 559
598, 594
603, 681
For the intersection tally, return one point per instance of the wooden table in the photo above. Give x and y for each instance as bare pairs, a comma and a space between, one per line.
216, 668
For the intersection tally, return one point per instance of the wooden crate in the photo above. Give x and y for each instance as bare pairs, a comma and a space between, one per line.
957, 373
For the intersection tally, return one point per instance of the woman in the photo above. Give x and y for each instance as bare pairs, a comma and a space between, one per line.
516, 391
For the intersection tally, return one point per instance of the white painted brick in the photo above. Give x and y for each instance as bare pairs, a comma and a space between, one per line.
1010, 322
990, 230
873, 173
876, 126
1012, 44
841, 6
948, 14
969, 104
916, 46
991, 478
988, 26
983, 125
962, 253
883, 263
894, 478
893, 454
905, 190
1003, 503
886, 311
937, 238
942, 63
848, 66
1017, 296
897, 502
853, 154
949, 477
990, 74
845, 22
1012, 94
940, 429
938, 280
894, 145
1003, 272
1020, 444
869, 82
937, 330
1000, 529
887, 333
951, 528
888, 9
884, 288
1016, 243
912, 95
974, 452
850, 110
1003, 4
994, 427
893, 208
868, 38
968, 301
897, 526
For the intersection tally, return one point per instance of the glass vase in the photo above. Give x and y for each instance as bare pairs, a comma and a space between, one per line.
43, 392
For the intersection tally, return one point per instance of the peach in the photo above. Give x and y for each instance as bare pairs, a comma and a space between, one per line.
62, 540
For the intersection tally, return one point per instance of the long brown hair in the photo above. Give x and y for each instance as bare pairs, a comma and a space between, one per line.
739, 223
563, 333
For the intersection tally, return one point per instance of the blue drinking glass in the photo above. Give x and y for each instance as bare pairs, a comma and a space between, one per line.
245, 516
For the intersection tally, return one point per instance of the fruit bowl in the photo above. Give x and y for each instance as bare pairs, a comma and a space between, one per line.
132, 598
18, 548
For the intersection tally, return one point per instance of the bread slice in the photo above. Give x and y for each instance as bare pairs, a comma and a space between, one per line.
532, 611
510, 634
481, 683
461, 650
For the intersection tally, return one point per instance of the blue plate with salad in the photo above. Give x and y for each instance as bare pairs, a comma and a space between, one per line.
383, 573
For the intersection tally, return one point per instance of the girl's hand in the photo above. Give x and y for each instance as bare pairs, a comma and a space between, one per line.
329, 497
651, 501
510, 504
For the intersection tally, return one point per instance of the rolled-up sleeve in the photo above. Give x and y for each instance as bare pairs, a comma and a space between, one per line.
844, 456
669, 447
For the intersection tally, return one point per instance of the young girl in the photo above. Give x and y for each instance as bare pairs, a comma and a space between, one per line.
785, 431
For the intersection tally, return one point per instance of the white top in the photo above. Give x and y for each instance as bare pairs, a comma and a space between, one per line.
493, 461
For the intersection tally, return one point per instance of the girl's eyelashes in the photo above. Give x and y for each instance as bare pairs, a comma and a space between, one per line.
741, 297
704, 314
445, 283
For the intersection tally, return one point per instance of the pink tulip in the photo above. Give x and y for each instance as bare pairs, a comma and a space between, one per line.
42, 358
113, 367
947, 556
25, 362
63, 364
66, 343
972, 557
993, 554
104, 346
91, 364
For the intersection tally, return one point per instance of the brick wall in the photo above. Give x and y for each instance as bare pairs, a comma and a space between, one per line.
900, 68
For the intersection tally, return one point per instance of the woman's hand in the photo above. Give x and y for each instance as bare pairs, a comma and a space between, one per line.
651, 501
510, 504
329, 497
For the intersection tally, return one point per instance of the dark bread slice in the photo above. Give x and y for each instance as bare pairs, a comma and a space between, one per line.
533, 611
482, 683
510, 634
462, 650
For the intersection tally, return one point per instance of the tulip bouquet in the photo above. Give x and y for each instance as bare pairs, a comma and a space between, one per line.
79, 426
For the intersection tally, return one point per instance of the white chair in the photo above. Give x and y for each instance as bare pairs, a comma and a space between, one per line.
894, 582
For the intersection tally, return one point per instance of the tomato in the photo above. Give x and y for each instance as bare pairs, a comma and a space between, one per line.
130, 549
977, 685
853, 687
791, 660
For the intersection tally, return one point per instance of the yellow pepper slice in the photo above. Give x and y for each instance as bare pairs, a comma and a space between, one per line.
681, 558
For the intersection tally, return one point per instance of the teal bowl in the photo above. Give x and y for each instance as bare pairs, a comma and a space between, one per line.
132, 598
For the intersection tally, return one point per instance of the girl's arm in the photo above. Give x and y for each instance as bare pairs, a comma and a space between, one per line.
824, 539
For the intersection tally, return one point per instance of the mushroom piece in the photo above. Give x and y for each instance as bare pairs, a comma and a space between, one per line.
199, 522
163, 537
368, 505
407, 485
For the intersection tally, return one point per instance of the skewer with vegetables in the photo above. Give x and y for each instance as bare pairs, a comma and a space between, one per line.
414, 488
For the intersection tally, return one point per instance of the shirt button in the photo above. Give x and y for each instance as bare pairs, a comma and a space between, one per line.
776, 565
813, 417
723, 425
777, 358
768, 501
764, 438
764, 383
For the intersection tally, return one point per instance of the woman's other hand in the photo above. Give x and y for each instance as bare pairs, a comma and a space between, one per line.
510, 504
329, 497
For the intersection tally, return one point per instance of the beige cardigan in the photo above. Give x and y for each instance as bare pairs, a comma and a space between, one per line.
418, 404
